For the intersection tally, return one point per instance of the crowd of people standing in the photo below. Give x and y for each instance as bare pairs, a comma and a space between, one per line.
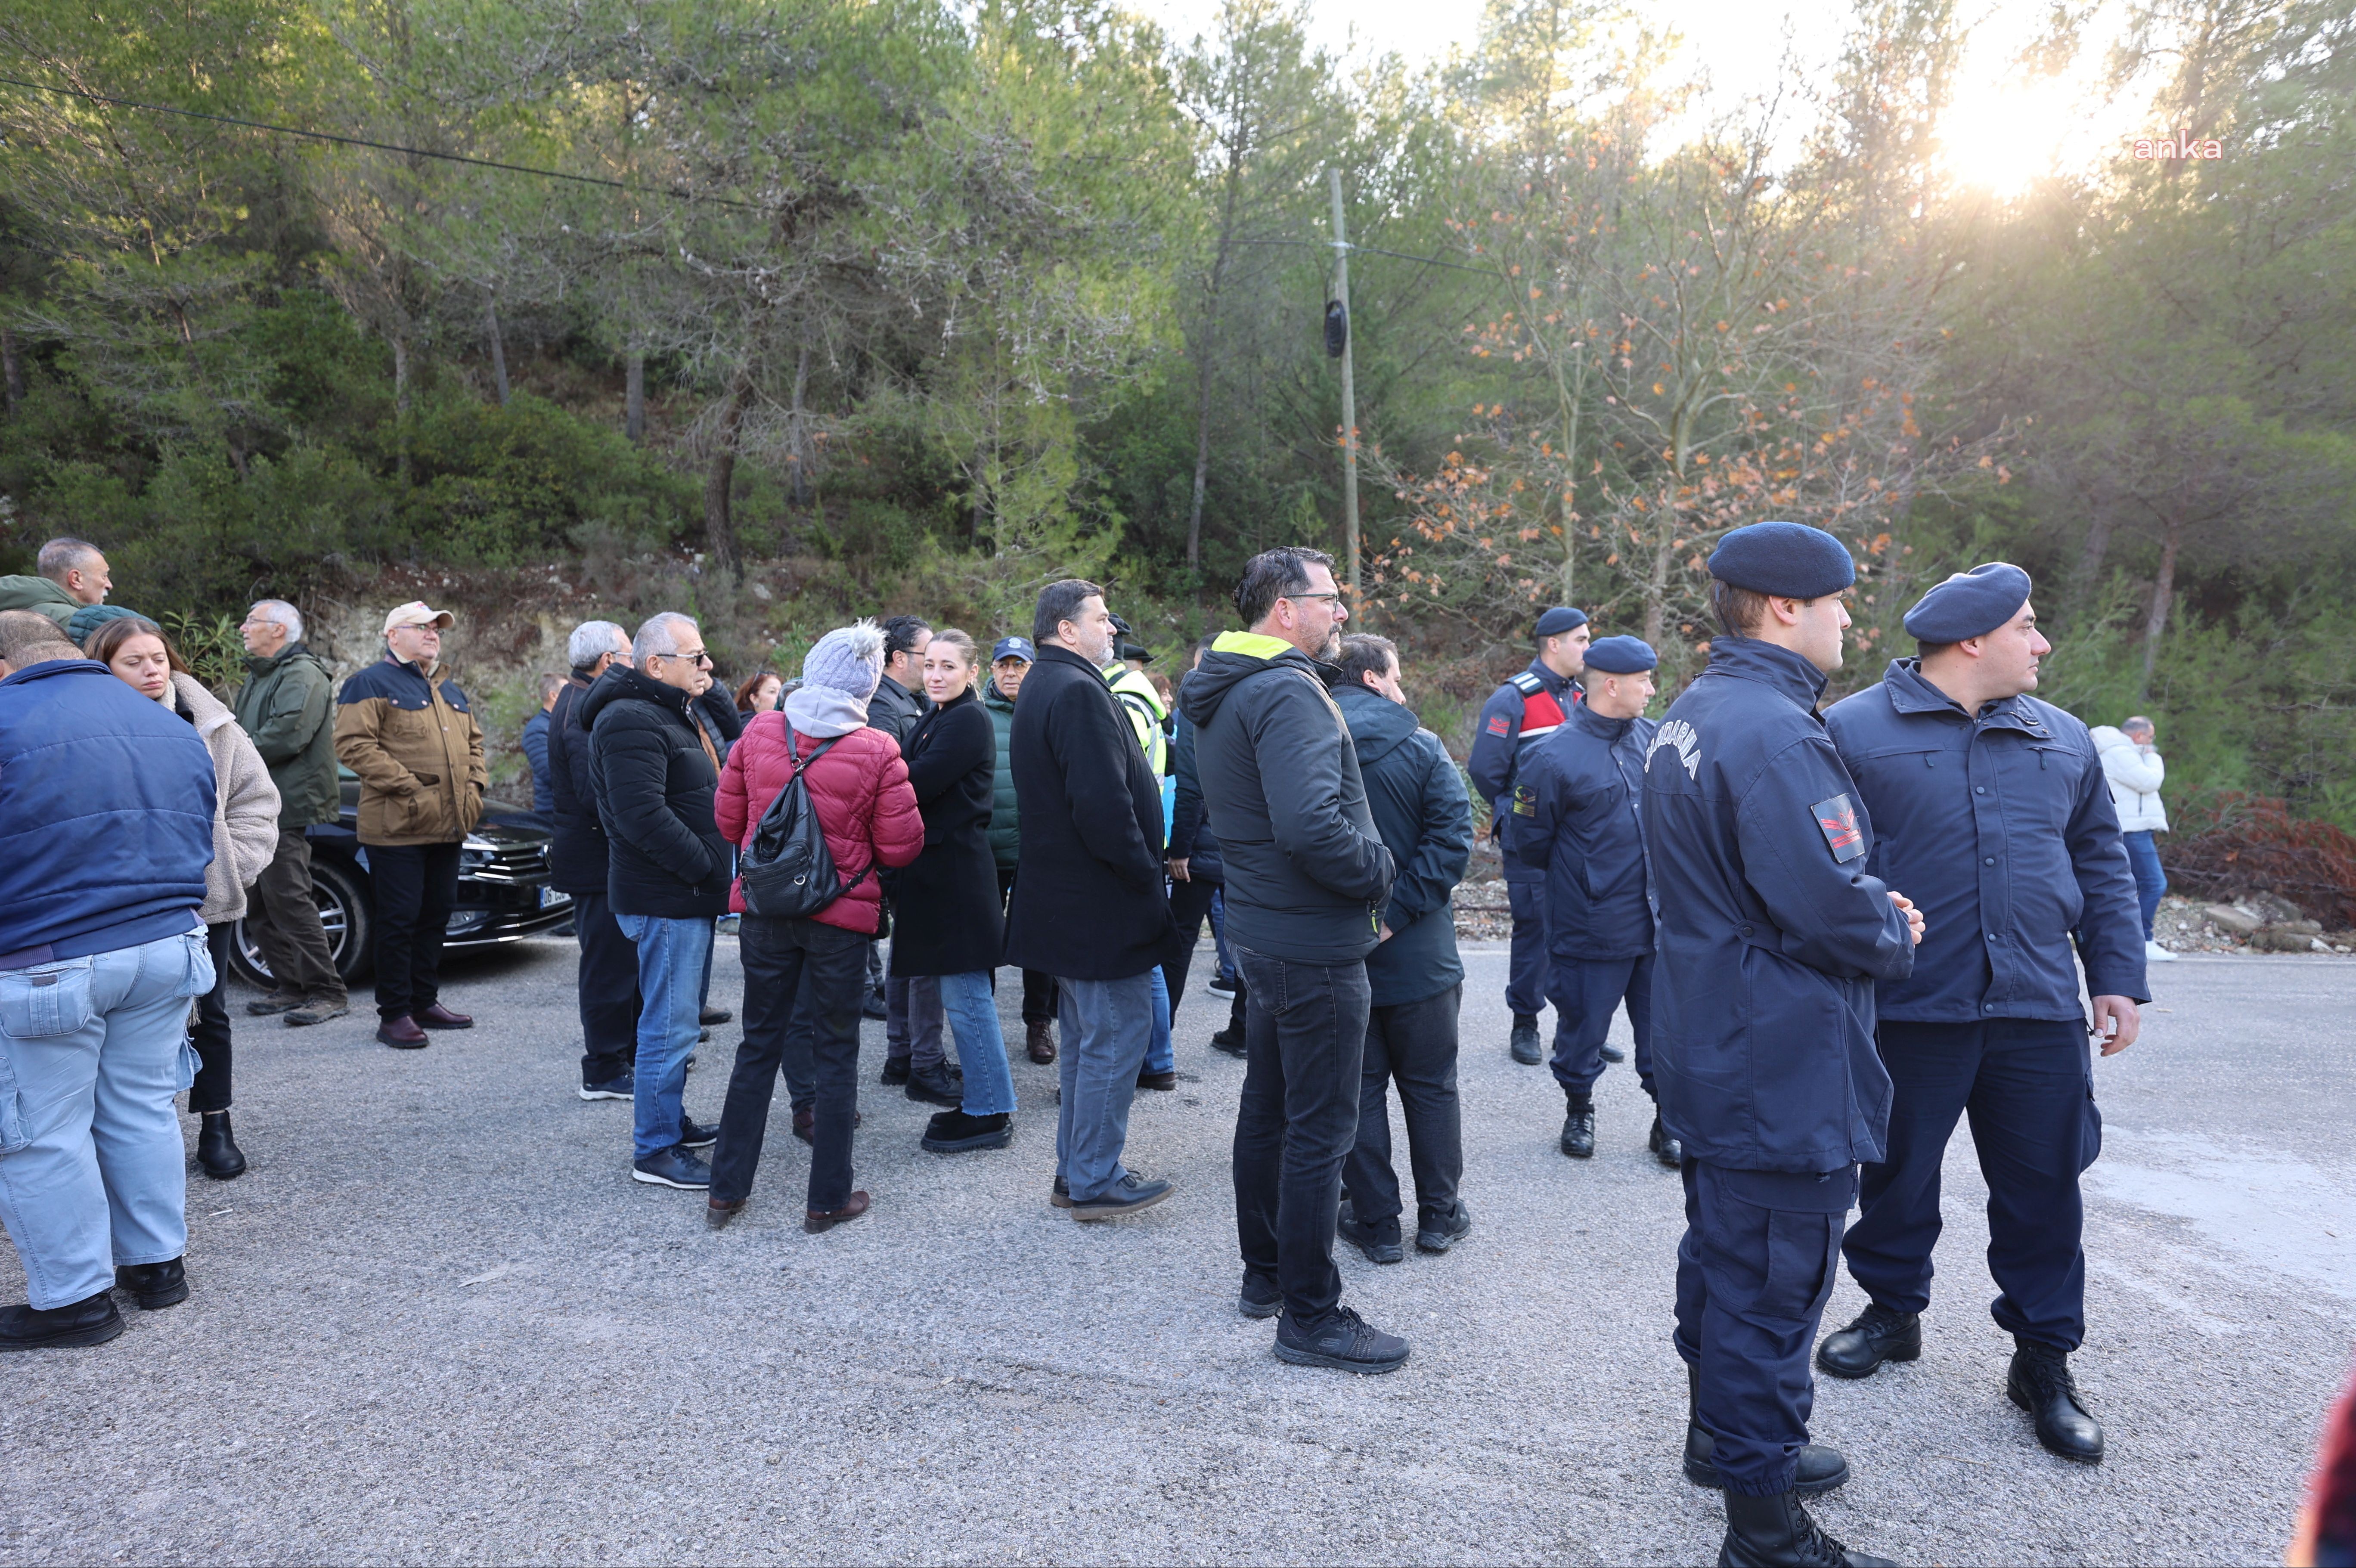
1813, 1005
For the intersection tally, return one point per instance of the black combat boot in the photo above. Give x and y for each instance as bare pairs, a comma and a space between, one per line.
1879, 1333
1579, 1126
2039, 1383
1777, 1533
1821, 1468
1665, 1149
217, 1151
1524, 1042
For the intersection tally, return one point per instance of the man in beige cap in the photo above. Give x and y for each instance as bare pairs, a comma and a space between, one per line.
411, 736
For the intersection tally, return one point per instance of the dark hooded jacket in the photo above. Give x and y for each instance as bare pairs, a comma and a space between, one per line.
1307, 875
654, 781
1190, 838
576, 858
1425, 818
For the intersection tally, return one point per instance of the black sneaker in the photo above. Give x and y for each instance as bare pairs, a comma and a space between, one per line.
674, 1168
1231, 1040
954, 1132
1437, 1233
895, 1069
1380, 1242
623, 1088
1260, 1298
693, 1134
1130, 1194
92, 1320
1222, 985
1345, 1342
934, 1086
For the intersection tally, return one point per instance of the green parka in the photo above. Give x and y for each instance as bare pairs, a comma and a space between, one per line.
1005, 822
287, 706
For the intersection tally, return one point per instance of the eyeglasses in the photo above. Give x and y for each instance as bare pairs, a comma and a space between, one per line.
419, 626
699, 657
1305, 598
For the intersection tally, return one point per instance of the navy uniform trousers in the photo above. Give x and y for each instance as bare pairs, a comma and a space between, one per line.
2028, 1086
1754, 1270
1585, 994
1526, 967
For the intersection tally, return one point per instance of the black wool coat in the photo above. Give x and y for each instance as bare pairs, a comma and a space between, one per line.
1089, 901
945, 917
654, 784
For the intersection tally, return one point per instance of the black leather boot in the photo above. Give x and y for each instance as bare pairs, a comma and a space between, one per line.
1578, 1127
217, 1151
1777, 1533
153, 1286
1524, 1046
1665, 1149
1879, 1334
1821, 1468
2039, 1383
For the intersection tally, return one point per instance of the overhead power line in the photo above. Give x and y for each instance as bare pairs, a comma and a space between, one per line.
671, 193
1374, 251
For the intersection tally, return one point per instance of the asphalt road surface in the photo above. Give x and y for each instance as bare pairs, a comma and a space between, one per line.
438, 1322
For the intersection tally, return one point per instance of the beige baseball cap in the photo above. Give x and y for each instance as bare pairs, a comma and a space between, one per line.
415, 612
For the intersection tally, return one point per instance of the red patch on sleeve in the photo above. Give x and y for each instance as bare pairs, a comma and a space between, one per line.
1837, 821
1500, 725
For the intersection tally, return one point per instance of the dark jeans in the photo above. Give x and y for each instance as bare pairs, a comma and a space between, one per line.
2143, 859
1415, 1044
1754, 1270
415, 884
1526, 967
284, 917
795, 967
210, 1037
1039, 999
1190, 905
1305, 1029
2028, 1086
608, 981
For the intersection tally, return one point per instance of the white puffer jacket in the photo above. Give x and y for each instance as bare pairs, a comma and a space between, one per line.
2135, 773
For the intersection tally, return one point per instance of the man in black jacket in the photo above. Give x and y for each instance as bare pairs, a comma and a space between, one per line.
1307, 877
607, 978
1089, 905
653, 771
1415, 980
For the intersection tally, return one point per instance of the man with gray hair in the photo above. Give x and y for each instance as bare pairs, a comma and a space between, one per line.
287, 707
653, 771
71, 577
608, 973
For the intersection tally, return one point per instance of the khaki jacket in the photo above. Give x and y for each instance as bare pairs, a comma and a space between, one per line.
411, 736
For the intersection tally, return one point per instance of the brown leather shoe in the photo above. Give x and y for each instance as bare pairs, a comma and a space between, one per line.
1042, 1043
1165, 1081
439, 1017
276, 1002
317, 1011
718, 1211
402, 1034
817, 1219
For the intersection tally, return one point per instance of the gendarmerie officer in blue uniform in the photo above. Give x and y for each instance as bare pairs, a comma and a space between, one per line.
1770, 938
1517, 716
1994, 813
1578, 815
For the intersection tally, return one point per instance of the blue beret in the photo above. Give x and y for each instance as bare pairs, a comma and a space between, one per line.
1791, 560
1560, 619
1969, 604
1014, 648
1621, 655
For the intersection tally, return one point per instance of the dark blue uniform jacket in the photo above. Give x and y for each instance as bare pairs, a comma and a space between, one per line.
1504, 739
1425, 820
1578, 816
1771, 935
2001, 828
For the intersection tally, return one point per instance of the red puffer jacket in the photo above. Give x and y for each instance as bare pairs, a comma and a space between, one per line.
865, 805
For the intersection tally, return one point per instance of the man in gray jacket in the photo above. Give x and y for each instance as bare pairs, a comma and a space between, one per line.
1307, 877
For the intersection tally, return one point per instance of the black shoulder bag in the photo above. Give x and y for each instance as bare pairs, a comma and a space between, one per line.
788, 872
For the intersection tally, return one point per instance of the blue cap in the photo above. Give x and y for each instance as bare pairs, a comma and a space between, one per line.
1790, 561
1969, 604
1013, 648
1621, 655
1560, 619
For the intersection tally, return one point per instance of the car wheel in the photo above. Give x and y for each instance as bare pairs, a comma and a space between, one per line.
344, 918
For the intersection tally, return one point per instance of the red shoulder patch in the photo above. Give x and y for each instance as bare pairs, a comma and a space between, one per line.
1837, 821
1500, 725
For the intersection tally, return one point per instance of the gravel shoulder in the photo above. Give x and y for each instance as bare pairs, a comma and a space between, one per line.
436, 1322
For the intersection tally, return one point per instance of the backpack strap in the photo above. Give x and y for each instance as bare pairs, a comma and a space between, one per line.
801, 763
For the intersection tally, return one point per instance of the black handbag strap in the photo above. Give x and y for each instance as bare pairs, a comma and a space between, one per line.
800, 763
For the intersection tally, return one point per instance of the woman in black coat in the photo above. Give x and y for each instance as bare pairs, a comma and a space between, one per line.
944, 911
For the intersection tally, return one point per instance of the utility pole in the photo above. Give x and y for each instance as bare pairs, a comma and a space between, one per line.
1349, 390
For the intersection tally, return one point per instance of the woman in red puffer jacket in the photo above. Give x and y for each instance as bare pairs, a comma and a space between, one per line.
815, 966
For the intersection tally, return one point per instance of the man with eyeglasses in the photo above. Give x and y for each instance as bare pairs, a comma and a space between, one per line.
288, 705
409, 733
653, 771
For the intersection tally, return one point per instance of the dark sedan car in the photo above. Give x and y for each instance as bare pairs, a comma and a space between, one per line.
503, 891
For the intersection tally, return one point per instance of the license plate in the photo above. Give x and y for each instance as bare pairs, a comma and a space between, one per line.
550, 897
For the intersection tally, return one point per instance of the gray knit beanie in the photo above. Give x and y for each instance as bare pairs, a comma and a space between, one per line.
849, 659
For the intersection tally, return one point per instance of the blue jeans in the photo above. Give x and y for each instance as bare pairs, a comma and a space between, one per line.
972, 1013
670, 986
1159, 1056
92, 1172
2143, 859
1219, 933
1106, 1026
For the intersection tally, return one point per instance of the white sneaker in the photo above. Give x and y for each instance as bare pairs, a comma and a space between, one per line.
2153, 953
